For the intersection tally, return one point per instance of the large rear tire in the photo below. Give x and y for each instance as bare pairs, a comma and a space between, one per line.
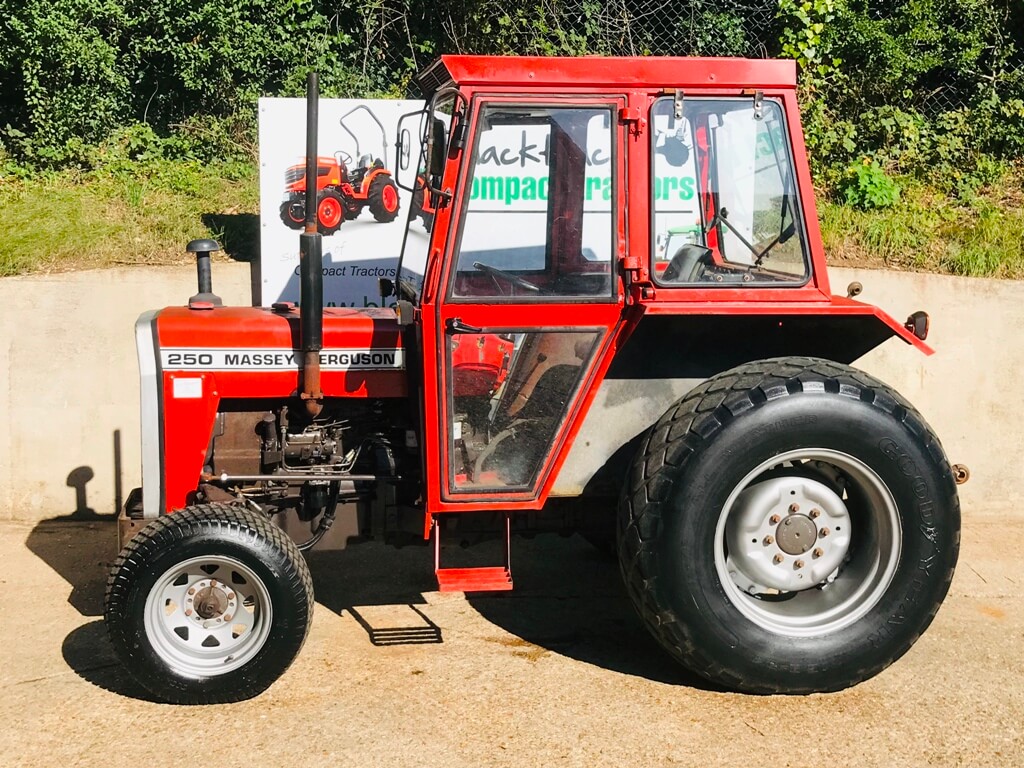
790, 526
207, 605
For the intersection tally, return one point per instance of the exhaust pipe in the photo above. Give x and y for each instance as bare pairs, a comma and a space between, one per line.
311, 260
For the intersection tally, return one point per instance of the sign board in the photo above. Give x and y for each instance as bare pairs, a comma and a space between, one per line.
511, 175
353, 134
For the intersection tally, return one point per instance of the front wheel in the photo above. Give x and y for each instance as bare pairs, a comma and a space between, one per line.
382, 197
210, 604
330, 212
790, 526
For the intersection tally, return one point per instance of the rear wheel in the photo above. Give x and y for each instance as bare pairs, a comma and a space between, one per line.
789, 526
383, 198
209, 604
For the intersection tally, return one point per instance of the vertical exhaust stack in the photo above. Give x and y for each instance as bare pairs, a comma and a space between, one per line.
311, 260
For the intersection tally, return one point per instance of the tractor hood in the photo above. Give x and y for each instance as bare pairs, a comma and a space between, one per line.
362, 352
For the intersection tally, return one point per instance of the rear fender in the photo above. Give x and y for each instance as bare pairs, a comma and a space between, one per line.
701, 345
667, 355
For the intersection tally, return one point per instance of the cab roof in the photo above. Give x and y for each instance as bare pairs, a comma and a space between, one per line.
530, 72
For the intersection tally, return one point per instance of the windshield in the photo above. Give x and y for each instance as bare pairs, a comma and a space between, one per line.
424, 166
726, 208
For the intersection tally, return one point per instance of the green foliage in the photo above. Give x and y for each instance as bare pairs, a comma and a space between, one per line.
868, 187
803, 36
76, 72
982, 236
73, 220
152, 101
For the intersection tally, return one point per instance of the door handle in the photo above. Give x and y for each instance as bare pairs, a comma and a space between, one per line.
455, 325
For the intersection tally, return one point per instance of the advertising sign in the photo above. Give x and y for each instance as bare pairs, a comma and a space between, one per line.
361, 212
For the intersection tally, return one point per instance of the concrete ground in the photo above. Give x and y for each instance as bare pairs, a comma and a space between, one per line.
559, 673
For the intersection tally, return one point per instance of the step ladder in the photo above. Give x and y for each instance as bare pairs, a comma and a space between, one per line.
489, 579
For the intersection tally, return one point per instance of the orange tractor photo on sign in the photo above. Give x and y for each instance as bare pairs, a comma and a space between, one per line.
344, 186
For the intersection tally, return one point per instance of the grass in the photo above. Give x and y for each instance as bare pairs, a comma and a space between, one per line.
146, 215
71, 221
979, 233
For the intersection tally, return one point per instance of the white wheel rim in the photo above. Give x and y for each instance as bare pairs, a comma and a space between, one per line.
208, 615
765, 566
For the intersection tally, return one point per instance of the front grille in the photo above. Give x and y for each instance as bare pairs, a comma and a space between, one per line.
293, 175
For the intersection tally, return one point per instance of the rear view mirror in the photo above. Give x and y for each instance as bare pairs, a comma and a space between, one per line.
407, 150
404, 149
438, 147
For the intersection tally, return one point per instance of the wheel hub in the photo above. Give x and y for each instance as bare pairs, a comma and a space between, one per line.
210, 602
786, 534
796, 534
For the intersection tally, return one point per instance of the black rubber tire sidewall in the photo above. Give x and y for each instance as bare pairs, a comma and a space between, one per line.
285, 579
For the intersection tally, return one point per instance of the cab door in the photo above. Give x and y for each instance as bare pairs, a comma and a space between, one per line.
529, 298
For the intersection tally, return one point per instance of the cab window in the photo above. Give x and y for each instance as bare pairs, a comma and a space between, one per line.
726, 208
538, 221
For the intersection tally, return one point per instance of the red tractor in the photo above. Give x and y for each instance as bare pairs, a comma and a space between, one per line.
342, 190
784, 523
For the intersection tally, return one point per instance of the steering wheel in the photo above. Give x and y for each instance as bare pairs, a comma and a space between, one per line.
496, 273
343, 158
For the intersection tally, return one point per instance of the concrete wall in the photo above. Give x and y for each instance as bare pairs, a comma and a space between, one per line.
69, 408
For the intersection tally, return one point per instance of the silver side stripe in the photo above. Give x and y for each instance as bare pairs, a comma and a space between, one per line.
269, 359
152, 470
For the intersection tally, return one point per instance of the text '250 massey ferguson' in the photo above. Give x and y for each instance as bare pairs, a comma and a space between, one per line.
630, 314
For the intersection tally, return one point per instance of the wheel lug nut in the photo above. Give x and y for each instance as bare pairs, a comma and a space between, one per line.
818, 552
228, 617
188, 611
815, 513
768, 540
798, 564
231, 595
213, 582
774, 519
192, 591
778, 559
794, 507
823, 532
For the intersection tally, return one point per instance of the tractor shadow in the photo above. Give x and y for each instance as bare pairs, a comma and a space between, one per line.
568, 600
80, 548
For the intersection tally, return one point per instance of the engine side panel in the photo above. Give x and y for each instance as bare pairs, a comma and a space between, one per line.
255, 352
194, 359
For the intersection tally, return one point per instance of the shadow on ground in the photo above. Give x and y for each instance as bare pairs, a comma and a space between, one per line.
568, 599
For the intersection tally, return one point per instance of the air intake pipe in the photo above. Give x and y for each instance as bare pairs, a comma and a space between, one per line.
311, 261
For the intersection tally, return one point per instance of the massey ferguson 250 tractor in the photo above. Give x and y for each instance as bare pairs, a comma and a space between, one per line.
785, 523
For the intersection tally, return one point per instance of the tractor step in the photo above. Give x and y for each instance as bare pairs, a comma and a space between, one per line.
485, 579
495, 579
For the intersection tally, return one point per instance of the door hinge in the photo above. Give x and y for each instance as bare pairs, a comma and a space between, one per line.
633, 119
